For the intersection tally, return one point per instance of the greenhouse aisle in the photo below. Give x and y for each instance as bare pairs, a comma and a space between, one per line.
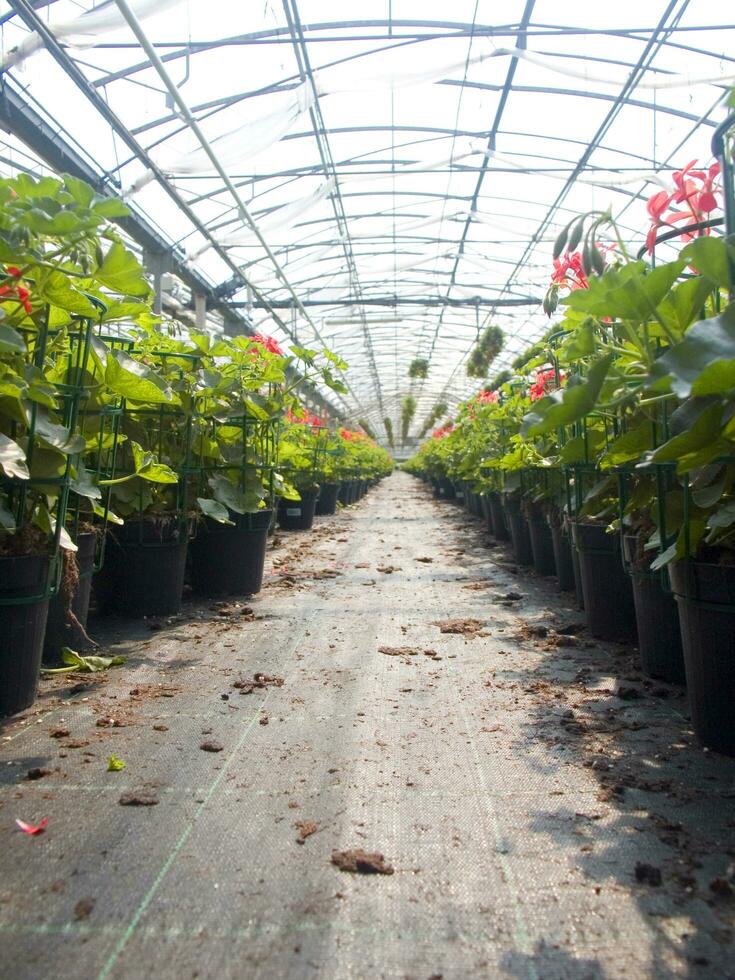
540, 819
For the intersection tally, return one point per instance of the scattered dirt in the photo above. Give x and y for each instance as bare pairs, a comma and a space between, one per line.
138, 799
38, 772
477, 586
160, 728
361, 862
305, 829
463, 627
629, 693
259, 681
264, 720
83, 909
59, 732
211, 746
399, 651
426, 560
388, 569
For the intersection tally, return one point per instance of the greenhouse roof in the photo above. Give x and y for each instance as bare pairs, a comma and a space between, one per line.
374, 175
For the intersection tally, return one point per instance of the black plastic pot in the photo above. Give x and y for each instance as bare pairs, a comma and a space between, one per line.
327, 500
143, 573
705, 594
298, 515
445, 489
657, 619
344, 493
23, 612
519, 534
562, 546
497, 517
61, 629
542, 544
228, 559
577, 572
606, 587
484, 499
459, 494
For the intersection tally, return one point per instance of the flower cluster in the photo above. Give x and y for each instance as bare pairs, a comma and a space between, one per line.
544, 383
569, 271
487, 398
697, 190
305, 417
12, 289
445, 430
349, 436
269, 343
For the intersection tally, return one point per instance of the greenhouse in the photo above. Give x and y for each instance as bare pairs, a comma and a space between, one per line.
367, 490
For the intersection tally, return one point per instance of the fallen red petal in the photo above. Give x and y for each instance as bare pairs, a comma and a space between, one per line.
28, 828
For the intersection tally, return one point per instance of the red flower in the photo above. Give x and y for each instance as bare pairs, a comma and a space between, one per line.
445, 430
305, 417
270, 344
487, 397
545, 382
14, 290
697, 189
569, 271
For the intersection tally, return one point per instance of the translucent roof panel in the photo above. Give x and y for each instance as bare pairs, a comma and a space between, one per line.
385, 176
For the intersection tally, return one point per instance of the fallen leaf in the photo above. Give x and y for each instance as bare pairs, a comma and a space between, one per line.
305, 828
211, 746
138, 799
362, 862
83, 909
114, 764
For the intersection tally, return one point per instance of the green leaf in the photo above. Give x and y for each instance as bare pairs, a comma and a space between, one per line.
110, 207
631, 292
628, 447
136, 381
75, 661
13, 459
709, 256
148, 468
56, 288
684, 303
569, 404
704, 362
581, 343
57, 435
703, 433
215, 510
11, 341
333, 383
114, 764
121, 272
7, 518
724, 517
80, 190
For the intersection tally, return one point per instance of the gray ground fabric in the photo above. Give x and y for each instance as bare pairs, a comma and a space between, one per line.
510, 787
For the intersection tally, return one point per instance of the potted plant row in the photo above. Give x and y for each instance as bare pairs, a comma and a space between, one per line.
614, 442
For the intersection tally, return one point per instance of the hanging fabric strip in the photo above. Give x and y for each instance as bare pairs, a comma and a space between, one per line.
85, 30
247, 140
400, 79
285, 215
